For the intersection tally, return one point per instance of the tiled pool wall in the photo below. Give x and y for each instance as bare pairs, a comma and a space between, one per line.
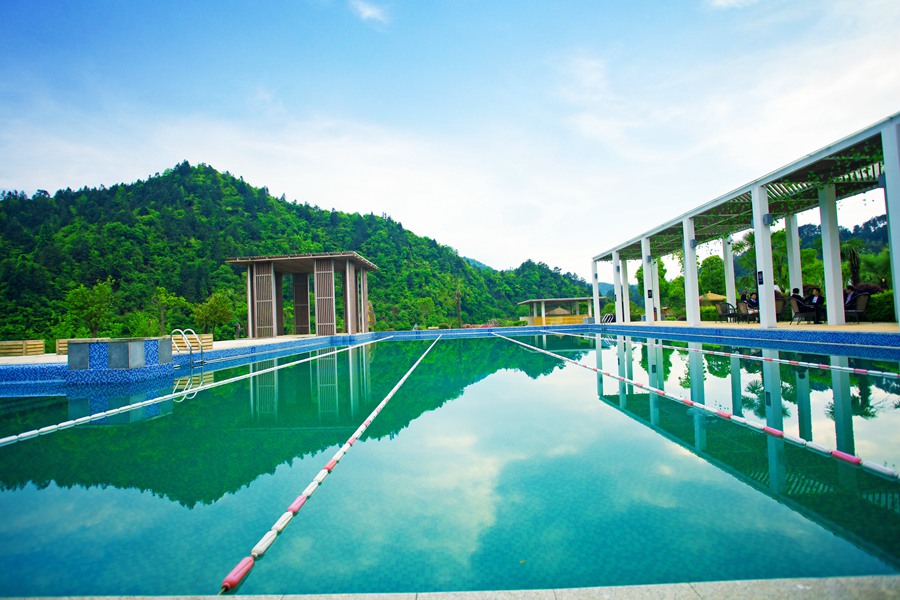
55, 378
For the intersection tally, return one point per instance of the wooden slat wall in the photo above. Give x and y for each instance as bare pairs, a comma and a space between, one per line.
263, 296
325, 308
206, 341
22, 348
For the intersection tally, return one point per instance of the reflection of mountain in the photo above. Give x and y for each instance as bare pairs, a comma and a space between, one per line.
852, 503
227, 437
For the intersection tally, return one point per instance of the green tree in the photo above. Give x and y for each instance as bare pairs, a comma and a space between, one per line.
217, 310
712, 275
93, 307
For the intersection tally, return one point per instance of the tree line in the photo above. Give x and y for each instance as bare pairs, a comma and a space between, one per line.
143, 258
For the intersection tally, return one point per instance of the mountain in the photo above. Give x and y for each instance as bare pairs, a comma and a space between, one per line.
175, 230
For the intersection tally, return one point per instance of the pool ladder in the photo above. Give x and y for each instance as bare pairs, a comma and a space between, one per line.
187, 344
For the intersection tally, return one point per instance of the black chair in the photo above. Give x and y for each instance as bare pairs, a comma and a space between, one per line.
744, 313
802, 311
858, 309
726, 312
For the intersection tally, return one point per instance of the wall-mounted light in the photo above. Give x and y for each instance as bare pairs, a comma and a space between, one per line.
693, 243
768, 219
649, 258
881, 180
618, 269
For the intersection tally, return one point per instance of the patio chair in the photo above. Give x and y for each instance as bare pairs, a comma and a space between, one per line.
802, 311
726, 312
859, 309
779, 308
744, 313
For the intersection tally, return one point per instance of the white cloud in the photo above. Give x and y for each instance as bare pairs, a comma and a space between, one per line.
730, 3
369, 12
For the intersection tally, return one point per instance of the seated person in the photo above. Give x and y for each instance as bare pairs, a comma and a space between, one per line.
795, 295
753, 303
817, 301
849, 297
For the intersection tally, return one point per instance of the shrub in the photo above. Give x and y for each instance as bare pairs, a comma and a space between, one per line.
881, 307
708, 313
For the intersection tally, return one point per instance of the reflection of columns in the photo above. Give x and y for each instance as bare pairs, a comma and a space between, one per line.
695, 361
601, 379
777, 470
890, 144
626, 292
771, 376
655, 367
795, 273
804, 408
831, 256
327, 392
325, 304
623, 371
699, 429
737, 408
264, 391
691, 286
649, 292
301, 303
728, 257
843, 414
762, 230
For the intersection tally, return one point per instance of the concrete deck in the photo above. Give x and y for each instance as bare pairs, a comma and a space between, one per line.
830, 588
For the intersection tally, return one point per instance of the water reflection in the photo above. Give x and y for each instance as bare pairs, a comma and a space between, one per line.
859, 505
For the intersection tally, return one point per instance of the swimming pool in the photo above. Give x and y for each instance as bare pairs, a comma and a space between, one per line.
495, 466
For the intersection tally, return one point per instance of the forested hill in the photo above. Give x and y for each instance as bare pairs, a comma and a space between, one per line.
163, 242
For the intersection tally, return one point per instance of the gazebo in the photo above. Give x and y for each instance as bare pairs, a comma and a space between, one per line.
560, 315
265, 302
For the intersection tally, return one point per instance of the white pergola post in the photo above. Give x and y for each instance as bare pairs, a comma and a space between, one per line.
596, 292
617, 286
831, 256
728, 259
762, 228
657, 301
647, 262
543, 313
626, 292
890, 143
691, 286
795, 273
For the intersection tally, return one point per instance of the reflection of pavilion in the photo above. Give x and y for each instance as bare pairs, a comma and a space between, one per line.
853, 503
265, 302
338, 385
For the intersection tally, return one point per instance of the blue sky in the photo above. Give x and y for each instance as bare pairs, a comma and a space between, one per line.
507, 130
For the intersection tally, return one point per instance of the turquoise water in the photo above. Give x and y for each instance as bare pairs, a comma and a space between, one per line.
493, 467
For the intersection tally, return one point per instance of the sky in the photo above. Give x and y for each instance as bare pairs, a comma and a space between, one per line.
507, 130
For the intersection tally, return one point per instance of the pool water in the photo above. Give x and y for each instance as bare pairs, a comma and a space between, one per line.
493, 467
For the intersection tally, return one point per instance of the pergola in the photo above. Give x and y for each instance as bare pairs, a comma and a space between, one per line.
265, 302
861, 162
572, 316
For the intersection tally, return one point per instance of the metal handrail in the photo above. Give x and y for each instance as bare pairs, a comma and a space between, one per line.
187, 343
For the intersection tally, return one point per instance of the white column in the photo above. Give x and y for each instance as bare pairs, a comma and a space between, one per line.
657, 300
617, 286
691, 287
728, 259
890, 143
626, 293
831, 256
250, 300
795, 274
649, 292
763, 234
543, 313
596, 292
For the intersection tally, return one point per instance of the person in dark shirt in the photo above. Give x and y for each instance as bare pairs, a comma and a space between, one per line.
849, 297
817, 301
753, 303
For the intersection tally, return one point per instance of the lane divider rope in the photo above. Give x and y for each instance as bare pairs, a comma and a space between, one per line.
838, 454
784, 361
242, 569
27, 435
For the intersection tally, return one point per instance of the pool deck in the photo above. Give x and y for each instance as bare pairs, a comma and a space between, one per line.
829, 588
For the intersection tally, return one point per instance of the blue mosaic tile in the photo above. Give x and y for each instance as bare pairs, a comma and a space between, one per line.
99, 356
152, 411
151, 352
